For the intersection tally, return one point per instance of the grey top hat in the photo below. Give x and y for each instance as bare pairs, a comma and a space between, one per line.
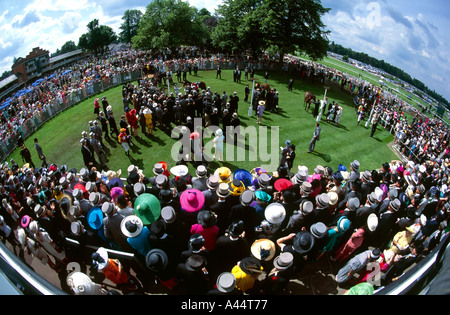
283, 261
76, 227
77, 193
300, 176
168, 214
307, 207
226, 282
94, 198
355, 164
223, 191
306, 188
323, 200
247, 197
90, 186
201, 171
39, 210
158, 169
318, 230
263, 180
366, 175
395, 204
353, 203
139, 188
161, 180
212, 182
108, 208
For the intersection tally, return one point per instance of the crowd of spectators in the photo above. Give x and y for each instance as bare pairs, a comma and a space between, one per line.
218, 231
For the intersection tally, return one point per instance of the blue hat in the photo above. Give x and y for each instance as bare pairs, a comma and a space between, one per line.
343, 224
262, 195
244, 176
95, 218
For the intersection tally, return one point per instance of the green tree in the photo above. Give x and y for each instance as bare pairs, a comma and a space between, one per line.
238, 27
130, 25
98, 38
278, 25
169, 24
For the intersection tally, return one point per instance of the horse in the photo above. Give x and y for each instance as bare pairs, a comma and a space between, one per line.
201, 84
309, 97
264, 86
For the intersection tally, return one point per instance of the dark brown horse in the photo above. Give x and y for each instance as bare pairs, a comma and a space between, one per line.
201, 84
309, 97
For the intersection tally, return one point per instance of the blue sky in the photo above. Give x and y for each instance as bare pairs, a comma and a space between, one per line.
412, 35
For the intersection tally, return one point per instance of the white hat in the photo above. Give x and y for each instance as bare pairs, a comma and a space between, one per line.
131, 226
275, 213
372, 222
179, 170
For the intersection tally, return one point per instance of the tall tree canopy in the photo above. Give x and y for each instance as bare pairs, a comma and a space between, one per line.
98, 38
130, 25
281, 25
169, 23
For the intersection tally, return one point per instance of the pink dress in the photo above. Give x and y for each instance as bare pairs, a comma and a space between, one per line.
352, 244
208, 233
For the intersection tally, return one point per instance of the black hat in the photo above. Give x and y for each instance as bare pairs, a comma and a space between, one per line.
303, 242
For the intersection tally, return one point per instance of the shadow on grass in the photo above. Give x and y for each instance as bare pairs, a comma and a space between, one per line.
324, 156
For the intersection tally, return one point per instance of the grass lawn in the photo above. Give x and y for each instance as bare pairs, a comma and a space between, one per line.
60, 137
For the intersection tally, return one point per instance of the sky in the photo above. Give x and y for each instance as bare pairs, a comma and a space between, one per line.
412, 35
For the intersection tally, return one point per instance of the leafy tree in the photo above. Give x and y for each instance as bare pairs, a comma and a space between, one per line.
98, 38
130, 25
238, 27
169, 24
279, 25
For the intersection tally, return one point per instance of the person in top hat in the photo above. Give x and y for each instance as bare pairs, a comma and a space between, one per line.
299, 245
80, 284
211, 197
300, 218
225, 285
167, 242
199, 182
315, 138
176, 226
162, 268
278, 278
222, 207
230, 248
245, 212
193, 277
112, 227
321, 212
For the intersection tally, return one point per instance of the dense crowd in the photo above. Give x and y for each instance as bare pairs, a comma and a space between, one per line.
218, 231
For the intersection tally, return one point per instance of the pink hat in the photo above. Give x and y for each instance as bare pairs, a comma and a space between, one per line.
115, 192
192, 200
25, 221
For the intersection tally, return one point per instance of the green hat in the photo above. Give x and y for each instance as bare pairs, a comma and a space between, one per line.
147, 208
363, 288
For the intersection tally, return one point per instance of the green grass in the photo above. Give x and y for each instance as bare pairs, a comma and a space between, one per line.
396, 89
60, 136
